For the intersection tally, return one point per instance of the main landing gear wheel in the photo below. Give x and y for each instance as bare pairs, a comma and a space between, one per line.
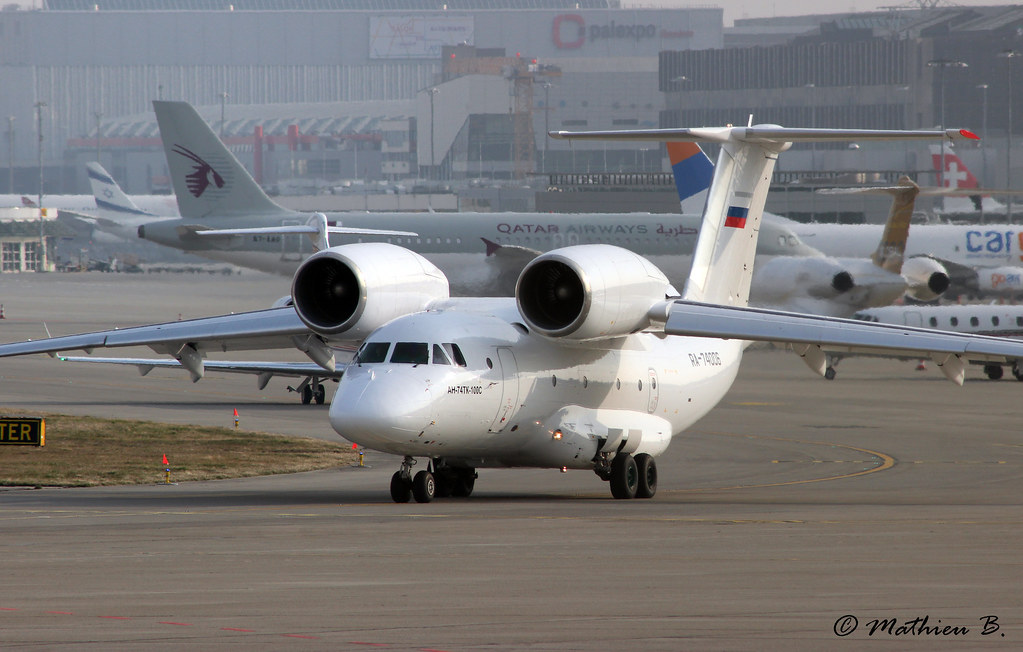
307, 395
624, 476
424, 487
994, 371
647, 470
401, 488
320, 394
464, 483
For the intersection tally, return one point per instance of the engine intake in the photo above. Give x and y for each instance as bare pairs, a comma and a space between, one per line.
590, 292
354, 289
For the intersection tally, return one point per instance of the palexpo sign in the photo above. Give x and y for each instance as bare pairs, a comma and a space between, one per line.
570, 32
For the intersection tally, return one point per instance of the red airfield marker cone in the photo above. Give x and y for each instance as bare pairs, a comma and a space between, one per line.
166, 465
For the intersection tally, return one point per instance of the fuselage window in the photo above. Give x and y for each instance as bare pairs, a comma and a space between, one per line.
974, 321
372, 352
933, 322
411, 353
954, 321
439, 357
454, 353
994, 321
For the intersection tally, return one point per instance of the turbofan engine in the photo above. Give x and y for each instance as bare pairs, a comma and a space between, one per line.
354, 289
927, 278
589, 292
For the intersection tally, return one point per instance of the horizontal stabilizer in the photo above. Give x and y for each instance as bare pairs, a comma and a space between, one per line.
762, 134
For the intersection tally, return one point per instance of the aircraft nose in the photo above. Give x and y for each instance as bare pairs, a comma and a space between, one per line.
375, 407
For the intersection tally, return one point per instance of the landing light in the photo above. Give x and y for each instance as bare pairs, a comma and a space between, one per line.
564, 469
556, 435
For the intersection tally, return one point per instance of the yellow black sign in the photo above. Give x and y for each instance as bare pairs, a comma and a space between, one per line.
22, 431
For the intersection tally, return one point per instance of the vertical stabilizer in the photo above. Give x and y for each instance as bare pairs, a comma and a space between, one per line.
722, 268
891, 250
110, 199
208, 180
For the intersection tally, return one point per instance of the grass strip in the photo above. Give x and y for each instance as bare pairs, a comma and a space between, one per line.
91, 451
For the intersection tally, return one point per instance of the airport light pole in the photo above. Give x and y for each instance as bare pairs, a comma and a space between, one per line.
99, 116
1008, 55
10, 154
433, 161
223, 107
41, 257
983, 130
546, 124
941, 65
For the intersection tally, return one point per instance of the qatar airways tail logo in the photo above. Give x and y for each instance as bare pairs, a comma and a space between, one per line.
202, 175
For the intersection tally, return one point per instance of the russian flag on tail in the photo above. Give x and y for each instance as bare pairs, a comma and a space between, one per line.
692, 169
736, 217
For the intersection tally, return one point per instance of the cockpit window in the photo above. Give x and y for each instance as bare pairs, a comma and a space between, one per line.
411, 353
439, 357
372, 352
454, 353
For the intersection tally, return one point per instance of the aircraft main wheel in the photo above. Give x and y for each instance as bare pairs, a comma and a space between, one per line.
465, 481
307, 395
647, 472
320, 395
401, 490
1017, 372
994, 371
424, 487
624, 476
829, 373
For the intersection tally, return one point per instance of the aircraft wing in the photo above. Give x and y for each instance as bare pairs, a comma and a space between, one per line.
262, 329
812, 336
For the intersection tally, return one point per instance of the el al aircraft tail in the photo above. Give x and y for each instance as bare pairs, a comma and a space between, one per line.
208, 180
722, 267
110, 199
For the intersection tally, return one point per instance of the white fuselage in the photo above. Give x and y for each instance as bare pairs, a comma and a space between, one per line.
525, 400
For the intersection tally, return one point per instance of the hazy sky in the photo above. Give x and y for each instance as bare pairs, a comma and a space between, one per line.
758, 9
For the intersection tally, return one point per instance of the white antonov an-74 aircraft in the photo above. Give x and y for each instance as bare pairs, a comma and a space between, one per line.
595, 364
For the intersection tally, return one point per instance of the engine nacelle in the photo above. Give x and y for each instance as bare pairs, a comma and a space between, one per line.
590, 291
356, 288
927, 279
1000, 279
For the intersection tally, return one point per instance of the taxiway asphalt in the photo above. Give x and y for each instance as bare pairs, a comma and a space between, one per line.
795, 516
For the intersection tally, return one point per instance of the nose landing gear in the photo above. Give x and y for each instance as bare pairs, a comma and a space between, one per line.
438, 481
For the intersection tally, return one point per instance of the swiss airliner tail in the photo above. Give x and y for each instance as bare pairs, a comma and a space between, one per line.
955, 174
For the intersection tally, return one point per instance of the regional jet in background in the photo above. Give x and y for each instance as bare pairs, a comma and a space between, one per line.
480, 253
984, 319
595, 364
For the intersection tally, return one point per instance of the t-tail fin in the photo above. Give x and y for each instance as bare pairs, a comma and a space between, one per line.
693, 172
110, 199
208, 180
723, 260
